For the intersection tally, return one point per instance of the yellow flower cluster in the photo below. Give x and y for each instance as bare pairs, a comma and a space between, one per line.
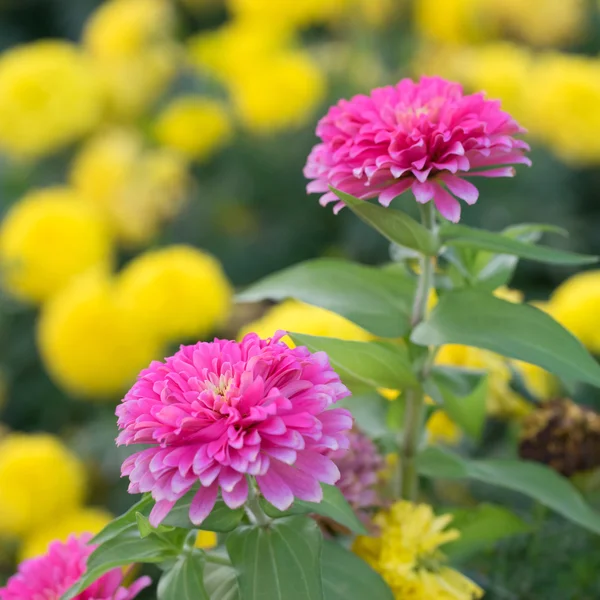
98, 333
273, 85
538, 22
406, 554
135, 188
133, 52
42, 487
536, 87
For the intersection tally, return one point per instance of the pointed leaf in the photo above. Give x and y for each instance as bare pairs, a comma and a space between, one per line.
184, 580
333, 506
394, 225
464, 236
467, 411
532, 479
221, 519
278, 562
348, 577
475, 318
123, 550
372, 363
375, 299
120, 524
481, 528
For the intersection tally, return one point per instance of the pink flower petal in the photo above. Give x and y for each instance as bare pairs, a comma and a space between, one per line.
237, 496
203, 503
387, 195
424, 192
447, 204
461, 188
159, 511
275, 490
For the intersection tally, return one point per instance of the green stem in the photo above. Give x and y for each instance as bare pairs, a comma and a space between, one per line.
254, 509
415, 398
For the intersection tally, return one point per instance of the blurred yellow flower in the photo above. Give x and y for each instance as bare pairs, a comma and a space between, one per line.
77, 521
134, 187
541, 384
40, 480
47, 238
177, 292
293, 13
502, 400
196, 126
49, 97
206, 540
406, 554
272, 84
92, 344
280, 93
237, 46
455, 21
576, 305
567, 88
130, 42
292, 315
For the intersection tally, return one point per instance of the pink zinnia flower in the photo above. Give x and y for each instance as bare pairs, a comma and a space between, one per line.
49, 576
217, 412
426, 136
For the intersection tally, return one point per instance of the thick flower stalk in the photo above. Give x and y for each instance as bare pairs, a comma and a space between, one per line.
424, 136
216, 413
51, 575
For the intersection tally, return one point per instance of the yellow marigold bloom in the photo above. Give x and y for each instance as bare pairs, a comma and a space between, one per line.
134, 187
49, 97
91, 342
196, 126
292, 315
294, 13
567, 87
455, 21
576, 305
78, 521
49, 237
280, 93
237, 46
406, 554
40, 480
130, 42
177, 291
206, 540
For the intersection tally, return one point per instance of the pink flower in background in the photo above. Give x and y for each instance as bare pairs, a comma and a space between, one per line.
49, 576
218, 411
426, 136
360, 469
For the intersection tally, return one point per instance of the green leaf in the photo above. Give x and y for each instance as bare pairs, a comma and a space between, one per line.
481, 527
496, 270
185, 580
123, 522
532, 479
221, 519
392, 224
373, 298
278, 562
220, 581
475, 318
369, 411
143, 524
463, 236
348, 577
373, 363
333, 506
468, 411
124, 549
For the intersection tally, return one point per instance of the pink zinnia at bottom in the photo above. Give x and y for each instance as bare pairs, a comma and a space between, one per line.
217, 412
425, 136
49, 576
